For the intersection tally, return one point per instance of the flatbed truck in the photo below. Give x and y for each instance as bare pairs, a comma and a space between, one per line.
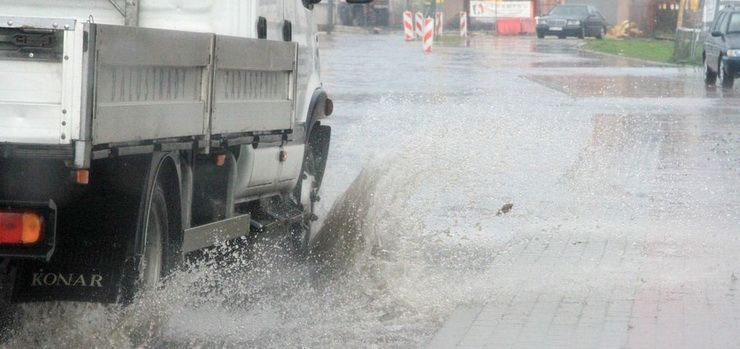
135, 132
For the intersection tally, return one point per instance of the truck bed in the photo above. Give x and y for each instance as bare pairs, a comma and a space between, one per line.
108, 86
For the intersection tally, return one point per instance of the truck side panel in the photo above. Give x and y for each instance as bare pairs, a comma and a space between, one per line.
149, 84
254, 85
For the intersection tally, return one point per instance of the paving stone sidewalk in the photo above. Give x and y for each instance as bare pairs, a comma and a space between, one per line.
631, 291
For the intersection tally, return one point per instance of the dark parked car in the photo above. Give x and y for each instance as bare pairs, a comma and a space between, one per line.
572, 20
722, 48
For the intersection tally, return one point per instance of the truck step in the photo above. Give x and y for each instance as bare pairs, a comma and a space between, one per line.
267, 222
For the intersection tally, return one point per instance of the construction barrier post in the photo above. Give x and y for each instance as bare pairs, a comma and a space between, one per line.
428, 34
463, 24
408, 26
419, 24
439, 20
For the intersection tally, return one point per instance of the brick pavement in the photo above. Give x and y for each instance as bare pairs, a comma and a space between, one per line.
634, 290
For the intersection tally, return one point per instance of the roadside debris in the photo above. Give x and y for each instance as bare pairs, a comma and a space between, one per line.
624, 30
504, 209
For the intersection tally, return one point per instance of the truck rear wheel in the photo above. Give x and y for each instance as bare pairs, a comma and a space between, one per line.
157, 225
307, 193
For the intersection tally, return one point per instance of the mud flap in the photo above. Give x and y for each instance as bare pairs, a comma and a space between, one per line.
69, 282
7, 277
319, 143
88, 262
9, 316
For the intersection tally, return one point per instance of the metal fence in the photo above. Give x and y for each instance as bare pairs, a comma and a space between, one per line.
693, 19
688, 46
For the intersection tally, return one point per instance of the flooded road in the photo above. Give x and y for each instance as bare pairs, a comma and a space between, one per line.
624, 178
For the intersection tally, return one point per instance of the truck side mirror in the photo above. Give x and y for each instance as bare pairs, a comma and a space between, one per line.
717, 34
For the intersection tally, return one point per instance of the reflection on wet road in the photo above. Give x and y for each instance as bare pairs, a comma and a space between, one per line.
619, 86
624, 179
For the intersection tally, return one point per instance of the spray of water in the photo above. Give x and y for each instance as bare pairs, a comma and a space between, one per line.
382, 272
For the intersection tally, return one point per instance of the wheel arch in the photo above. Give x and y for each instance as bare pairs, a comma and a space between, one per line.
164, 167
320, 108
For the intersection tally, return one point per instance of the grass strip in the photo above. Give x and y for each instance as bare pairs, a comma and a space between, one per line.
650, 50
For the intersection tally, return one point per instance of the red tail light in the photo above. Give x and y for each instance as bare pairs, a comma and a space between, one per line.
20, 228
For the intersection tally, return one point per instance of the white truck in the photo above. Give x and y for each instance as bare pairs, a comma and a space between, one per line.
135, 132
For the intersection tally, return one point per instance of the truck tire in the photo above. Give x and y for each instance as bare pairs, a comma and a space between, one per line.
157, 225
307, 191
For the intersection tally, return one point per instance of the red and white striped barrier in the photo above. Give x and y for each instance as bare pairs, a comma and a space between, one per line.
408, 26
463, 24
439, 20
428, 34
419, 22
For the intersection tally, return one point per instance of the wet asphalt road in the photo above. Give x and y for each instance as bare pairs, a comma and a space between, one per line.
623, 175
373, 77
